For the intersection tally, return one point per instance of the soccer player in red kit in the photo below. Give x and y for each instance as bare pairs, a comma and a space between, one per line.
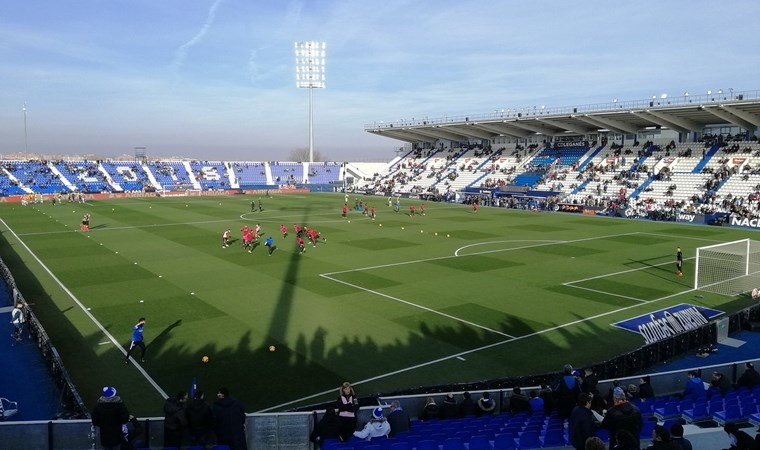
372, 213
297, 229
248, 240
301, 247
475, 207
312, 233
422, 209
284, 230
411, 210
246, 229
344, 210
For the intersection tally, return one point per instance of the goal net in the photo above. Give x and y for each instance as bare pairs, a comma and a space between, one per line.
728, 269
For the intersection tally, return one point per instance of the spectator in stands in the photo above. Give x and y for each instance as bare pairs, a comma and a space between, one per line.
547, 395
566, 392
132, 430
175, 420
485, 405
738, 439
329, 427
581, 424
229, 420
623, 415
518, 401
200, 419
749, 378
694, 386
721, 382
645, 388
593, 443
18, 319
661, 439
467, 405
676, 436
398, 419
109, 415
430, 411
449, 408
348, 405
624, 440
536, 403
377, 426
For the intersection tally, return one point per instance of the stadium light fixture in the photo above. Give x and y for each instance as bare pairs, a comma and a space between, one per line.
310, 74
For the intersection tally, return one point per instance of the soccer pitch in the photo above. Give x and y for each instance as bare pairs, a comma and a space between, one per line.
388, 304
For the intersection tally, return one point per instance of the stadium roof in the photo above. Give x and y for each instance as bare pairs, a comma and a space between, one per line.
687, 113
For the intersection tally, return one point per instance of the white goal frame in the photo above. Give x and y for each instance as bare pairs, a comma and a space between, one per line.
743, 267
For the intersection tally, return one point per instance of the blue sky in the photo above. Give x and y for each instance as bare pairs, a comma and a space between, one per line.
215, 79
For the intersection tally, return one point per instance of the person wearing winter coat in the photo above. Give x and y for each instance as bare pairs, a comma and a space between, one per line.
109, 415
376, 427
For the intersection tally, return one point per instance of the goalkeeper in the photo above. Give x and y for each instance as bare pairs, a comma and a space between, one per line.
679, 262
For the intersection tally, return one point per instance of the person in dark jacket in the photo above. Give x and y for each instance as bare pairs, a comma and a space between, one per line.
200, 419
623, 415
229, 420
738, 439
749, 378
430, 411
581, 425
109, 415
175, 420
348, 405
399, 419
448, 410
467, 405
567, 392
329, 427
661, 439
518, 402
646, 392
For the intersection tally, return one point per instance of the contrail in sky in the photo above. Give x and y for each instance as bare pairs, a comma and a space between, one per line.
181, 53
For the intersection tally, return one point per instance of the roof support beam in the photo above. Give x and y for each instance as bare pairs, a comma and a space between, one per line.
473, 130
505, 129
743, 119
612, 125
575, 128
535, 126
441, 133
685, 124
654, 118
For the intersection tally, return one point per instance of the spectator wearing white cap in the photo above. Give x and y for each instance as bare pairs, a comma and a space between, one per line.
376, 427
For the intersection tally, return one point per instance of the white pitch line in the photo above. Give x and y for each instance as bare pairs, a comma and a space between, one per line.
84, 310
485, 347
455, 255
623, 271
415, 305
604, 292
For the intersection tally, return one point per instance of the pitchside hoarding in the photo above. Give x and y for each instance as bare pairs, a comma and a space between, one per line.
669, 322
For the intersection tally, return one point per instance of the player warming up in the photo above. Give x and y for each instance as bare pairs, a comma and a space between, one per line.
137, 340
679, 262
284, 230
301, 246
226, 239
269, 242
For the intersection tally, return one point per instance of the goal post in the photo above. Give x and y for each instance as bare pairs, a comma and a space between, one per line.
730, 268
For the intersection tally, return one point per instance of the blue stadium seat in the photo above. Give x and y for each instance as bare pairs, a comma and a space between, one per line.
554, 438
528, 440
401, 446
479, 442
647, 428
731, 413
699, 413
453, 444
503, 442
427, 445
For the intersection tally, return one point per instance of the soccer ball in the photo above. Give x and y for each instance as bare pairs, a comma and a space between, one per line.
436, 234
204, 359
272, 348
448, 235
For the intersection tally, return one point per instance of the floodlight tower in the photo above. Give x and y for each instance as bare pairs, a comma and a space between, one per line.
310, 74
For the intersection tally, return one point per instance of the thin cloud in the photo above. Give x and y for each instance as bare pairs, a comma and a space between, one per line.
181, 53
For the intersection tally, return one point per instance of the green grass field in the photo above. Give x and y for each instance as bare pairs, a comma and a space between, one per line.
447, 297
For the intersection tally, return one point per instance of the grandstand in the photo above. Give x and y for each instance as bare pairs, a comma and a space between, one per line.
609, 161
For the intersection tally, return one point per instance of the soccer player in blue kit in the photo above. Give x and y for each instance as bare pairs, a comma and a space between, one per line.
137, 340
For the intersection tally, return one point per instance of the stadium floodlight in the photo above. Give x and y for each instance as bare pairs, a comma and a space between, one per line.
310, 74
729, 269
